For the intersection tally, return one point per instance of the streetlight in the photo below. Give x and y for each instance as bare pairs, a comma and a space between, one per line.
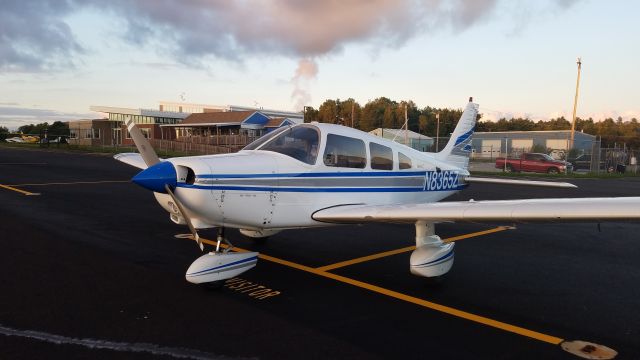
438, 132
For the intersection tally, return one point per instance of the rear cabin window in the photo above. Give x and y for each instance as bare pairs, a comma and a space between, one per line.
344, 151
299, 142
381, 157
404, 161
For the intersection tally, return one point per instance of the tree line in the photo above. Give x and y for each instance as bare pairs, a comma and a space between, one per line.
386, 113
58, 128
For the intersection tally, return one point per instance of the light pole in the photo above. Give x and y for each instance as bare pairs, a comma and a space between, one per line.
438, 132
575, 105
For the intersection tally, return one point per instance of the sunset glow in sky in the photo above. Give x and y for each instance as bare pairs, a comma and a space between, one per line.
516, 58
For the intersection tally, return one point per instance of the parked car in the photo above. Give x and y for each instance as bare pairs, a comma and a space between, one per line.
584, 162
533, 162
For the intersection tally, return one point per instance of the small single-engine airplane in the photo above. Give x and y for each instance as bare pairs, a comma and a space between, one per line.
311, 175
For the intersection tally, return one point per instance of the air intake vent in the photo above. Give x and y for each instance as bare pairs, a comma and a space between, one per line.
191, 176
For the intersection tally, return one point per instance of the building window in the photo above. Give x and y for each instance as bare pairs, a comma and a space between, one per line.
344, 151
96, 133
404, 161
146, 132
73, 134
381, 157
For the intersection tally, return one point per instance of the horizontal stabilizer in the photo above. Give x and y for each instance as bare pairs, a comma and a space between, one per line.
518, 211
554, 184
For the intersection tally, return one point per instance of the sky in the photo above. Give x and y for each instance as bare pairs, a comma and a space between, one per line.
515, 57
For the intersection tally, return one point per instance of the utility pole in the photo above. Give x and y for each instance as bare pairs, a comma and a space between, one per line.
438, 132
353, 107
406, 124
575, 106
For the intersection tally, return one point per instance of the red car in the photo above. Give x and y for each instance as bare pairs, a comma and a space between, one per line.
533, 162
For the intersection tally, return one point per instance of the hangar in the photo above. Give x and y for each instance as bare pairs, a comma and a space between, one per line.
410, 138
494, 144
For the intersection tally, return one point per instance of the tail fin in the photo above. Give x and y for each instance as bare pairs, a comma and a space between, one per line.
458, 148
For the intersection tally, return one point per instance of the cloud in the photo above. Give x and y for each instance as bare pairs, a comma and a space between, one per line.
14, 117
296, 28
33, 36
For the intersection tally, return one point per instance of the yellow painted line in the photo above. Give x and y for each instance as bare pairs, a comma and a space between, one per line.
366, 258
17, 190
405, 249
411, 299
75, 183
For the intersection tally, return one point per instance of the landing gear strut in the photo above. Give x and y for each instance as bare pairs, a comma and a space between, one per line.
221, 238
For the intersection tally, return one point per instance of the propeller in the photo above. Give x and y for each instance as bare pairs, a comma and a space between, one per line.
196, 237
144, 147
159, 175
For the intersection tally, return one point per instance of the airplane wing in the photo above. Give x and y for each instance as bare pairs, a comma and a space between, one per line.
516, 211
487, 180
133, 159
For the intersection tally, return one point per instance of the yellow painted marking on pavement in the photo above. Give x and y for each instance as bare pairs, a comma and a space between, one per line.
17, 190
405, 249
366, 258
75, 183
411, 299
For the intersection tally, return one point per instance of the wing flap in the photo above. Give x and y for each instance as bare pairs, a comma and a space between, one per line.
486, 180
517, 211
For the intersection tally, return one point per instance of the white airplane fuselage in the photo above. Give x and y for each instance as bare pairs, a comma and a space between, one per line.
262, 190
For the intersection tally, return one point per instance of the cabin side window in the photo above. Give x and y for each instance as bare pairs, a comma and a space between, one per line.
404, 161
381, 157
299, 142
344, 151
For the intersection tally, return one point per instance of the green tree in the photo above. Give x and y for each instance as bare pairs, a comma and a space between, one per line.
328, 111
4, 132
310, 114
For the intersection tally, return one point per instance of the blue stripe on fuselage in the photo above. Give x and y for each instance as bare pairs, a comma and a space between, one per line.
302, 189
318, 174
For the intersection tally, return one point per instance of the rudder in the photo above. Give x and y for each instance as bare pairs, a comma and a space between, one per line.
458, 149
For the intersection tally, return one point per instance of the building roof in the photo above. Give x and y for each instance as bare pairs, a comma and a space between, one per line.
143, 112
536, 133
277, 122
217, 117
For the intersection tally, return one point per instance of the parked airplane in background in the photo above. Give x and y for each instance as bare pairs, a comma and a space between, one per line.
312, 175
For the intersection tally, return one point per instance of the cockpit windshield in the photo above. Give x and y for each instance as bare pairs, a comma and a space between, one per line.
299, 142
263, 139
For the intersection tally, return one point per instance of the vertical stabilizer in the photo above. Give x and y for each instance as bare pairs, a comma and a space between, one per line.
459, 147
